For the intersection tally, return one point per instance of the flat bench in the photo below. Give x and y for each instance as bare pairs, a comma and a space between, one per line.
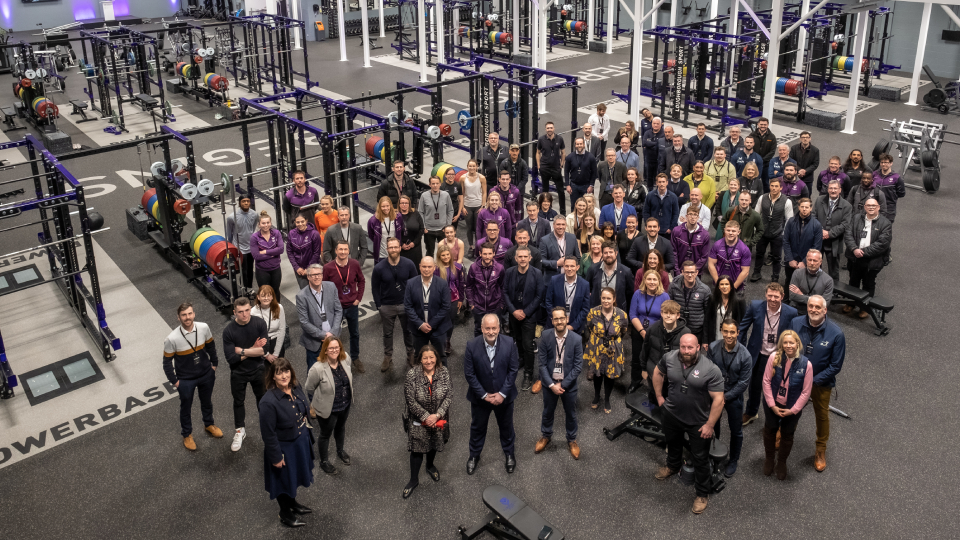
147, 101
9, 118
876, 306
79, 107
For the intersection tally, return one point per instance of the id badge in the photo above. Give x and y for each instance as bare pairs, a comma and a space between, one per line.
558, 369
771, 338
346, 289
809, 348
436, 216
863, 233
323, 317
686, 314
683, 388
645, 323
398, 288
782, 392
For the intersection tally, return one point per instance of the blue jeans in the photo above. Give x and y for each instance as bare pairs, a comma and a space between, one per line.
204, 387
734, 411
351, 314
550, 400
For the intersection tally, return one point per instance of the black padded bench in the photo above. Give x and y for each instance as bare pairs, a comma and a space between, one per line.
510, 518
79, 107
9, 118
876, 306
147, 101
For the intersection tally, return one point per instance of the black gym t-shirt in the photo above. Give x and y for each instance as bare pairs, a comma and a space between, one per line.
455, 190
550, 151
693, 406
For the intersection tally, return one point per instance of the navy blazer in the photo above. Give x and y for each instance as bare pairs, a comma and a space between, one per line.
482, 380
625, 282
279, 421
641, 248
533, 290
556, 296
550, 251
572, 359
756, 316
438, 308
537, 231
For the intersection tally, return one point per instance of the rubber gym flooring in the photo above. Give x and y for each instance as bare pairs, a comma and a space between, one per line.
889, 471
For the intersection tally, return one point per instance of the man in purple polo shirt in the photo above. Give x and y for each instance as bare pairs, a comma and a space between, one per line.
501, 244
509, 197
691, 242
484, 287
297, 197
730, 257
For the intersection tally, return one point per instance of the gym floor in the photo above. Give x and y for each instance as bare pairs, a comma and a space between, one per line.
888, 473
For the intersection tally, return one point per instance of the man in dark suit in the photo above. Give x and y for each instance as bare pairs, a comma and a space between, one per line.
768, 318
523, 240
523, 293
571, 291
490, 365
561, 360
533, 224
426, 301
591, 143
610, 172
836, 216
643, 244
612, 274
351, 233
554, 247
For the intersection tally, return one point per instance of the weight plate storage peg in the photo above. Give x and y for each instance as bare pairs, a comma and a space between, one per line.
445, 130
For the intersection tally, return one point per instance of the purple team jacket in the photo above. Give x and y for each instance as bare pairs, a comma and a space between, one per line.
689, 246
455, 282
826, 177
373, 231
303, 248
484, 287
731, 260
270, 260
503, 246
502, 217
511, 200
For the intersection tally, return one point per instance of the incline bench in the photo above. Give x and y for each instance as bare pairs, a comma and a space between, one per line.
876, 306
9, 118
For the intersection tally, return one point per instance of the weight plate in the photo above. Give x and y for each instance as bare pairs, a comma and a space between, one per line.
392, 118
464, 119
146, 197
217, 254
929, 158
198, 233
168, 107
369, 145
158, 169
30, 74
445, 129
943, 108
511, 108
931, 180
198, 241
188, 191
205, 187
181, 207
874, 164
433, 132
155, 210
208, 243
882, 147
177, 166
41, 73
210, 51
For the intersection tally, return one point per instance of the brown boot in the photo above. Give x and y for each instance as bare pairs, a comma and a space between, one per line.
358, 366
541, 444
387, 360
777, 445
188, 443
699, 505
786, 445
769, 446
820, 459
665, 472
536, 387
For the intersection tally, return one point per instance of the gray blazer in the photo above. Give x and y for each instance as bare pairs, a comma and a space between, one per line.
595, 144
320, 383
358, 242
550, 251
311, 336
837, 224
603, 173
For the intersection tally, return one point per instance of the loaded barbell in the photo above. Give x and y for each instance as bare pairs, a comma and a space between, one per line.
465, 119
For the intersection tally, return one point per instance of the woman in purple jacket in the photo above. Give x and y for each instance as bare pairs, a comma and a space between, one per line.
386, 223
266, 246
496, 213
304, 247
451, 271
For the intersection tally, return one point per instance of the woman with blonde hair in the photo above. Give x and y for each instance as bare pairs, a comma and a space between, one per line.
411, 245
327, 216
496, 213
452, 272
588, 229
385, 223
330, 381
787, 383
591, 256
266, 246
751, 182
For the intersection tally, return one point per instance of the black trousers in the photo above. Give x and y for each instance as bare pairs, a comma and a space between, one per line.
673, 431
438, 340
238, 387
430, 240
523, 333
755, 390
416, 461
776, 253
636, 365
550, 400
335, 425
650, 171
786, 280
271, 278
831, 256
204, 388
286, 503
786, 425
246, 267
861, 277
480, 418
555, 177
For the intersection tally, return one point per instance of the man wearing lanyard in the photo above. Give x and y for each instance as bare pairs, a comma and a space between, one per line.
835, 214
190, 363
580, 171
868, 248
437, 209
561, 360
319, 311
550, 157
611, 273
243, 342
536, 227
730, 257
345, 231
733, 143
625, 155
493, 154
801, 234
775, 210
651, 142
617, 211
426, 300
397, 184
691, 241
601, 123
610, 173
510, 197
389, 281
523, 240
642, 245
692, 407
484, 287
663, 205
572, 292
701, 145
693, 297
810, 281
554, 248
736, 366
768, 318
523, 294
591, 143
347, 277
500, 244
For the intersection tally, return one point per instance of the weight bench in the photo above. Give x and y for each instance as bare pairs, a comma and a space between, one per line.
79, 106
876, 306
646, 422
9, 118
510, 519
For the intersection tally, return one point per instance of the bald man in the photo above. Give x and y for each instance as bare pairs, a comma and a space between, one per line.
426, 300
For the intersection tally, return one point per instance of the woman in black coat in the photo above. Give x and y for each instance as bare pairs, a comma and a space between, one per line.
287, 441
725, 303
427, 395
412, 246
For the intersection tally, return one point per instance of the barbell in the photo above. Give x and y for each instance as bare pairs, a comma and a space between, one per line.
465, 119
167, 108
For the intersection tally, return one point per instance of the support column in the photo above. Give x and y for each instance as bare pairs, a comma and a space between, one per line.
611, 5
921, 49
382, 24
801, 40
773, 59
534, 35
295, 14
341, 30
637, 61
733, 29
715, 5
862, 18
441, 43
517, 25
365, 27
421, 39
543, 13
673, 12
591, 18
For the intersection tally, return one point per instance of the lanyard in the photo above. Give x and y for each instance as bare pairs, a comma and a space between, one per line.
686, 297
786, 374
344, 280
686, 373
196, 342
569, 295
723, 358
436, 202
560, 350
726, 253
426, 294
833, 206
770, 324
386, 228
816, 277
606, 281
562, 246
485, 271
648, 306
617, 215
320, 301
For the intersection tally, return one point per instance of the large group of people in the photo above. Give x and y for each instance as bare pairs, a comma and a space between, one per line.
654, 263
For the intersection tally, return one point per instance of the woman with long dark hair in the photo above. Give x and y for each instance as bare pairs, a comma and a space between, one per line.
426, 392
855, 167
411, 245
724, 303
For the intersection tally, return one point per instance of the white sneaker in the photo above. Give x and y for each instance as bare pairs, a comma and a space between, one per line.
238, 438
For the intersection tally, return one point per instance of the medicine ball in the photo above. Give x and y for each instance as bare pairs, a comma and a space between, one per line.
95, 220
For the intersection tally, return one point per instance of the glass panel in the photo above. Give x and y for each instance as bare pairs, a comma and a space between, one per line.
43, 383
25, 275
3, 283
79, 370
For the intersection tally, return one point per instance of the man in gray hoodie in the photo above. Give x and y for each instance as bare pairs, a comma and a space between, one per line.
241, 225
